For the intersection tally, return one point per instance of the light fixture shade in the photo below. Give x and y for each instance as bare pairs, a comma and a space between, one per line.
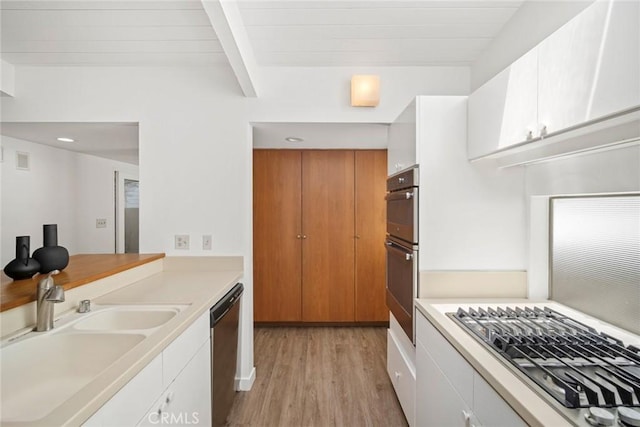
365, 90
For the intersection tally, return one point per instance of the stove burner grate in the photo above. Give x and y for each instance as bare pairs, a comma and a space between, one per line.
571, 361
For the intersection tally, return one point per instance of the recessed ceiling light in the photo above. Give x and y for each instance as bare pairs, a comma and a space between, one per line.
293, 139
62, 139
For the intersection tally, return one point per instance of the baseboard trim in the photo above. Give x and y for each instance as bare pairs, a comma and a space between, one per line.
245, 384
319, 324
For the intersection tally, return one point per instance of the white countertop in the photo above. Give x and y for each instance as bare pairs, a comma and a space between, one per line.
198, 290
529, 405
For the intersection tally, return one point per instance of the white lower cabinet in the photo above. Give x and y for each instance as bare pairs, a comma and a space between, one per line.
187, 401
449, 392
173, 389
403, 376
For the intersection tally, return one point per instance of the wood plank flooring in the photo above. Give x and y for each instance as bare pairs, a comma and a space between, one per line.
319, 376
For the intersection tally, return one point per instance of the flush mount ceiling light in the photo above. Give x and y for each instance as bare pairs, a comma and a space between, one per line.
63, 139
293, 139
365, 90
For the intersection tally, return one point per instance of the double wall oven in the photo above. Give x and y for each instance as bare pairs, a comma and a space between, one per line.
402, 247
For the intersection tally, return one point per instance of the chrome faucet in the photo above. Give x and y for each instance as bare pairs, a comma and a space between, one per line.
48, 293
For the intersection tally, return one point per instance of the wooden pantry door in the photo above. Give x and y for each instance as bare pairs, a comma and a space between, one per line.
328, 253
277, 229
370, 216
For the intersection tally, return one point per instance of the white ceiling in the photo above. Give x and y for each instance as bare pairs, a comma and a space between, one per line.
116, 141
281, 33
108, 32
372, 33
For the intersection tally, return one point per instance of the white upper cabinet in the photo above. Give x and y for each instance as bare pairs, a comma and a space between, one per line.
586, 70
503, 112
589, 68
401, 151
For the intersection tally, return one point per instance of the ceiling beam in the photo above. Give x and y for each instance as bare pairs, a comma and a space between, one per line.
227, 23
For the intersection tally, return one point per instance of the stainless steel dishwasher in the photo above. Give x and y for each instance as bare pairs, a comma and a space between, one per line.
225, 316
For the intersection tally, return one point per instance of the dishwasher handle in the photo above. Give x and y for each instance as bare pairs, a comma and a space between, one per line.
217, 312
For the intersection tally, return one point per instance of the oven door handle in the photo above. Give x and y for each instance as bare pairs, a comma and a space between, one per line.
408, 253
399, 195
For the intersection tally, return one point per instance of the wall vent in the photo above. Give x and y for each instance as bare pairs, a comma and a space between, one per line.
23, 161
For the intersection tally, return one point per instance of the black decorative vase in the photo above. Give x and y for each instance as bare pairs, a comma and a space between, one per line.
22, 267
50, 255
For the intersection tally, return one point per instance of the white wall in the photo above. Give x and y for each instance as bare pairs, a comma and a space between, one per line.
195, 137
472, 217
62, 187
531, 24
42, 195
95, 198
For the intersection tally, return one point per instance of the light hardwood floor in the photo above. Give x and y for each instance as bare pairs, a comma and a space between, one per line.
319, 376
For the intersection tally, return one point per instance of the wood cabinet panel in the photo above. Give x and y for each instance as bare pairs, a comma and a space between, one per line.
329, 232
370, 217
277, 221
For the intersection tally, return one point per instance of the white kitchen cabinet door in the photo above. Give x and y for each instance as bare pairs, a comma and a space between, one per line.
182, 349
618, 84
438, 403
403, 377
458, 371
187, 400
590, 67
503, 111
192, 389
134, 399
490, 409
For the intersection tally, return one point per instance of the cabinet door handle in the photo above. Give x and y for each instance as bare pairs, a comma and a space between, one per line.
304, 236
357, 236
408, 257
543, 131
529, 135
401, 180
299, 236
408, 195
467, 418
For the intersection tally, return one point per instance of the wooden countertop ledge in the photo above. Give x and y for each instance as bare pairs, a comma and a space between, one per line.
82, 269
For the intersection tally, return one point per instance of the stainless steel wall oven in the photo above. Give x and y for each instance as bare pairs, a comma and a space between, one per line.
402, 247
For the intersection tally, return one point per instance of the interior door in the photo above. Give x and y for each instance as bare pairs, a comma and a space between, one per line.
370, 184
127, 229
277, 232
328, 252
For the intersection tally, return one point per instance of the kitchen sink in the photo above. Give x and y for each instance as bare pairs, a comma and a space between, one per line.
126, 318
41, 372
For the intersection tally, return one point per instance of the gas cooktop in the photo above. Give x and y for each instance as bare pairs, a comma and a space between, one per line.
575, 364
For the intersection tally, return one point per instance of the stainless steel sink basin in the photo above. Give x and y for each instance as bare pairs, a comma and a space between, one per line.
43, 371
126, 318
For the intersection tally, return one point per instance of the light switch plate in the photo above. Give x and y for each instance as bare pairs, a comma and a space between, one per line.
206, 242
101, 223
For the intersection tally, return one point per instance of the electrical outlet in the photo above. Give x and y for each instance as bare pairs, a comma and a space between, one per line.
101, 223
182, 241
206, 242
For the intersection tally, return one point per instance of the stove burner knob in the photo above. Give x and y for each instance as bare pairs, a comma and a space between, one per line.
600, 417
629, 416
